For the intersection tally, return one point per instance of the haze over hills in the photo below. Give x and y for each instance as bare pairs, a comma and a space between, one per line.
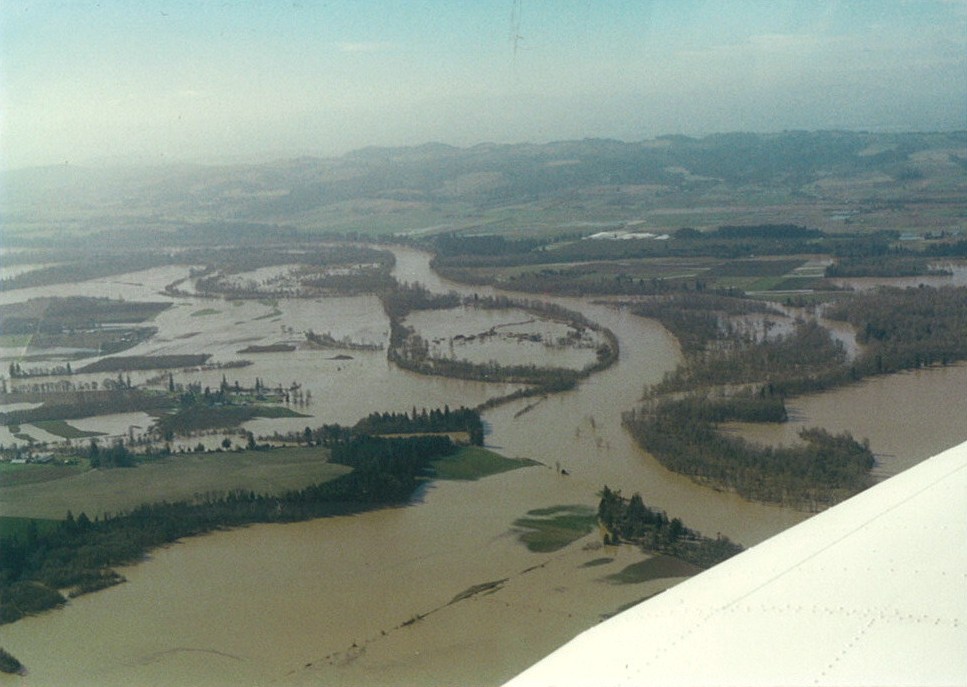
828, 179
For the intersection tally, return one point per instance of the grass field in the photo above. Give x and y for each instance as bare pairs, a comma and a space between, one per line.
62, 429
549, 529
19, 474
200, 417
14, 340
178, 477
474, 462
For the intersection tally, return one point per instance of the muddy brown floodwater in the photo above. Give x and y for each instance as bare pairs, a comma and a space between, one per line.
372, 599
907, 417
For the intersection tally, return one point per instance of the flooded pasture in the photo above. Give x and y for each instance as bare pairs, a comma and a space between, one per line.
509, 337
144, 285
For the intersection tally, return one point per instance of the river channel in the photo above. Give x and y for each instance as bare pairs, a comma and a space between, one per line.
367, 599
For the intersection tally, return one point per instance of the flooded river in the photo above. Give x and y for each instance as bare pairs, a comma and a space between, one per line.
367, 599
908, 416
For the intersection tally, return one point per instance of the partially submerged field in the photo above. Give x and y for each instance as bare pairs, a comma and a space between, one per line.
175, 478
474, 462
49, 491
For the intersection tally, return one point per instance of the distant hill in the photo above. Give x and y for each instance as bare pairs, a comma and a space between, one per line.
670, 181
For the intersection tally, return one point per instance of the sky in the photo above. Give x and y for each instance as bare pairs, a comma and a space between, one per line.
186, 80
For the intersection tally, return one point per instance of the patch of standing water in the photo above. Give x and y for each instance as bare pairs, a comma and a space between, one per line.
144, 285
908, 416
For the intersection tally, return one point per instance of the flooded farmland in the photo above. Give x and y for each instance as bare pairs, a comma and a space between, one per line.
378, 598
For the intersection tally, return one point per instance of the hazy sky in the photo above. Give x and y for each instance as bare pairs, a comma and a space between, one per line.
158, 80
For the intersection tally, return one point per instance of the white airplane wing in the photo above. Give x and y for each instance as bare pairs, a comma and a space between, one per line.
870, 592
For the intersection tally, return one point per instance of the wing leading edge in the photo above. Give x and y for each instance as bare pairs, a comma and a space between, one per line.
870, 592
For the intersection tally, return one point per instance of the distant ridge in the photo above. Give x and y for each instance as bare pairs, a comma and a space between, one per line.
436, 184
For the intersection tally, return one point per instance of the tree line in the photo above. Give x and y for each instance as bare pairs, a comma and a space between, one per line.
80, 553
436, 420
727, 242
682, 436
905, 329
403, 298
804, 360
568, 265
897, 328
631, 521
694, 317
409, 350
327, 340
9, 663
114, 456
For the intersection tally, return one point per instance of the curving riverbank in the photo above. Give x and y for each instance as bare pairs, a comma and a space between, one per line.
410, 351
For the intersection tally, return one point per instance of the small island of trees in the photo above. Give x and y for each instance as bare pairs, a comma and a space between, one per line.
9, 663
631, 521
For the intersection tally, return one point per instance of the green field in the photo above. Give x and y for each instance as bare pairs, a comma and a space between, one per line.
15, 340
178, 477
200, 417
474, 462
62, 429
550, 529
19, 474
